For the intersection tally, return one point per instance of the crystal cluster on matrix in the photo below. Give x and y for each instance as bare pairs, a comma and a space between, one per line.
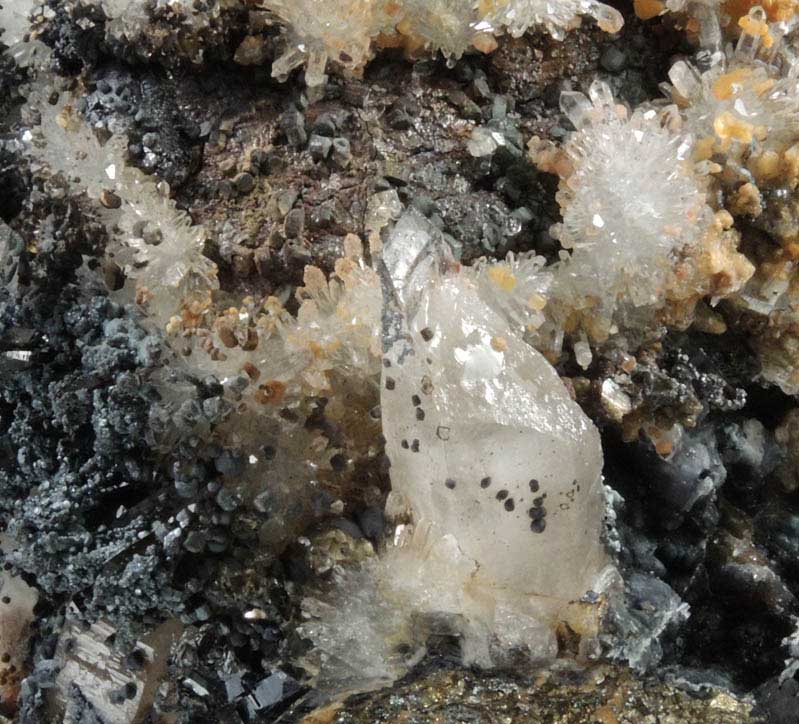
320, 31
464, 404
496, 467
641, 244
323, 33
156, 242
742, 111
712, 22
631, 202
460, 357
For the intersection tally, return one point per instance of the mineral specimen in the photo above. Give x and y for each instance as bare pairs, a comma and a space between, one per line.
318, 32
202, 439
451, 26
637, 225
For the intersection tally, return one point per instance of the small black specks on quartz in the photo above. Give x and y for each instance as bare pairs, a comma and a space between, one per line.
536, 513
416, 400
386, 362
502, 494
419, 413
534, 486
539, 525
415, 446
427, 334
485, 482
390, 383
539, 501
450, 483
510, 505
404, 444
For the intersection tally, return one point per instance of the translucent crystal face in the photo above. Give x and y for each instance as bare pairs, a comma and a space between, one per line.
488, 447
518, 15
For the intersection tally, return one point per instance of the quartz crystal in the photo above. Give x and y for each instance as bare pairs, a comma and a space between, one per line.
492, 533
158, 246
507, 463
743, 110
499, 469
320, 31
739, 103
634, 205
631, 201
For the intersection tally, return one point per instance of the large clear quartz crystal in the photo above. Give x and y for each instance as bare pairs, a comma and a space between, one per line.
497, 495
485, 443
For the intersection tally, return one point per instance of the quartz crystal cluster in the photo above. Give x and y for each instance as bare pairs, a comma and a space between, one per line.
712, 22
158, 246
742, 111
632, 206
319, 33
495, 469
641, 243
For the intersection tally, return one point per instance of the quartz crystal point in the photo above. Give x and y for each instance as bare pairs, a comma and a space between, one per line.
486, 445
322, 31
746, 105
